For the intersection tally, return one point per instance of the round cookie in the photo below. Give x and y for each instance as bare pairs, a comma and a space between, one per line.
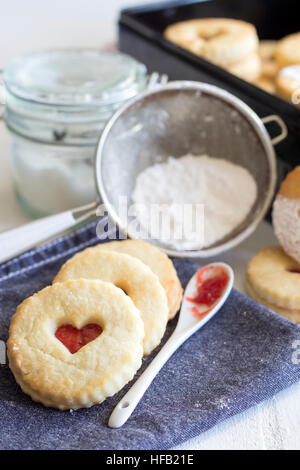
46, 369
286, 214
266, 51
248, 69
134, 277
288, 51
288, 84
290, 314
266, 84
158, 262
273, 279
221, 40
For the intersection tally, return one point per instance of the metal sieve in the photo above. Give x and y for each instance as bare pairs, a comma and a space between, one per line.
176, 119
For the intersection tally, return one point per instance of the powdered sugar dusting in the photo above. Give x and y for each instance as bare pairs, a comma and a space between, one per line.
227, 192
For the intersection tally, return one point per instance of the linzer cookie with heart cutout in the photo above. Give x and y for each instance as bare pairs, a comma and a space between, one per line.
134, 277
75, 343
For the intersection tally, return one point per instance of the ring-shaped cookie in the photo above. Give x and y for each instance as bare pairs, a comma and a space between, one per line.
269, 67
288, 51
266, 84
273, 279
248, 69
46, 369
134, 277
158, 262
221, 40
286, 214
288, 84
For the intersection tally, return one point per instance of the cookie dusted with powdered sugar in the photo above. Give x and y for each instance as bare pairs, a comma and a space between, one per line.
286, 215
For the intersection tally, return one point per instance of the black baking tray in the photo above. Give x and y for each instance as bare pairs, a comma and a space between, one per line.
141, 35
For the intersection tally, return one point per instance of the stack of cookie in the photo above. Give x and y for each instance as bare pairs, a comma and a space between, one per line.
273, 275
231, 44
82, 339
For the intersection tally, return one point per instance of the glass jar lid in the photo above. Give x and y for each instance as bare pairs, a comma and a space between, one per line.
67, 96
74, 77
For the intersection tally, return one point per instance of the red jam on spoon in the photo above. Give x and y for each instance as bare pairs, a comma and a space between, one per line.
75, 339
211, 283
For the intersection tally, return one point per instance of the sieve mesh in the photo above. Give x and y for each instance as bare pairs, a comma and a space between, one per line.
178, 120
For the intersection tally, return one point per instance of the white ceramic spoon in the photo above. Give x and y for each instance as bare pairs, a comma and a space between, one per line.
188, 324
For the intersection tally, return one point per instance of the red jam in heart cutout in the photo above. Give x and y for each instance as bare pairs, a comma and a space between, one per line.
75, 339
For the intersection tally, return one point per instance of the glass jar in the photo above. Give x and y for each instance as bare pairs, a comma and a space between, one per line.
56, 105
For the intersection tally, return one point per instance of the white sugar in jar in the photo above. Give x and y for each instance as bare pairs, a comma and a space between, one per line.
57, 104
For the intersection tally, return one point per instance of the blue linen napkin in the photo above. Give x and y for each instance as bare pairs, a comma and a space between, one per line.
243, 356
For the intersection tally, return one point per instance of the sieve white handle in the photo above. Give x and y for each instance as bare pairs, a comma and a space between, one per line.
16, 241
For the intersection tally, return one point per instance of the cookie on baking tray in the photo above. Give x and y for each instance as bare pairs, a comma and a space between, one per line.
248, 69
266, 51
286, 214
288, 84
158, 262
134, 277
223, 41
73, 344
273, 279
288, 51
266, 84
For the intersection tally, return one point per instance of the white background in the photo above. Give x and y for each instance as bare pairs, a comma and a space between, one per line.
33, 25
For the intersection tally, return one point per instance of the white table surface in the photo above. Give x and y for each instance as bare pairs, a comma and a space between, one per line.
35, 25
